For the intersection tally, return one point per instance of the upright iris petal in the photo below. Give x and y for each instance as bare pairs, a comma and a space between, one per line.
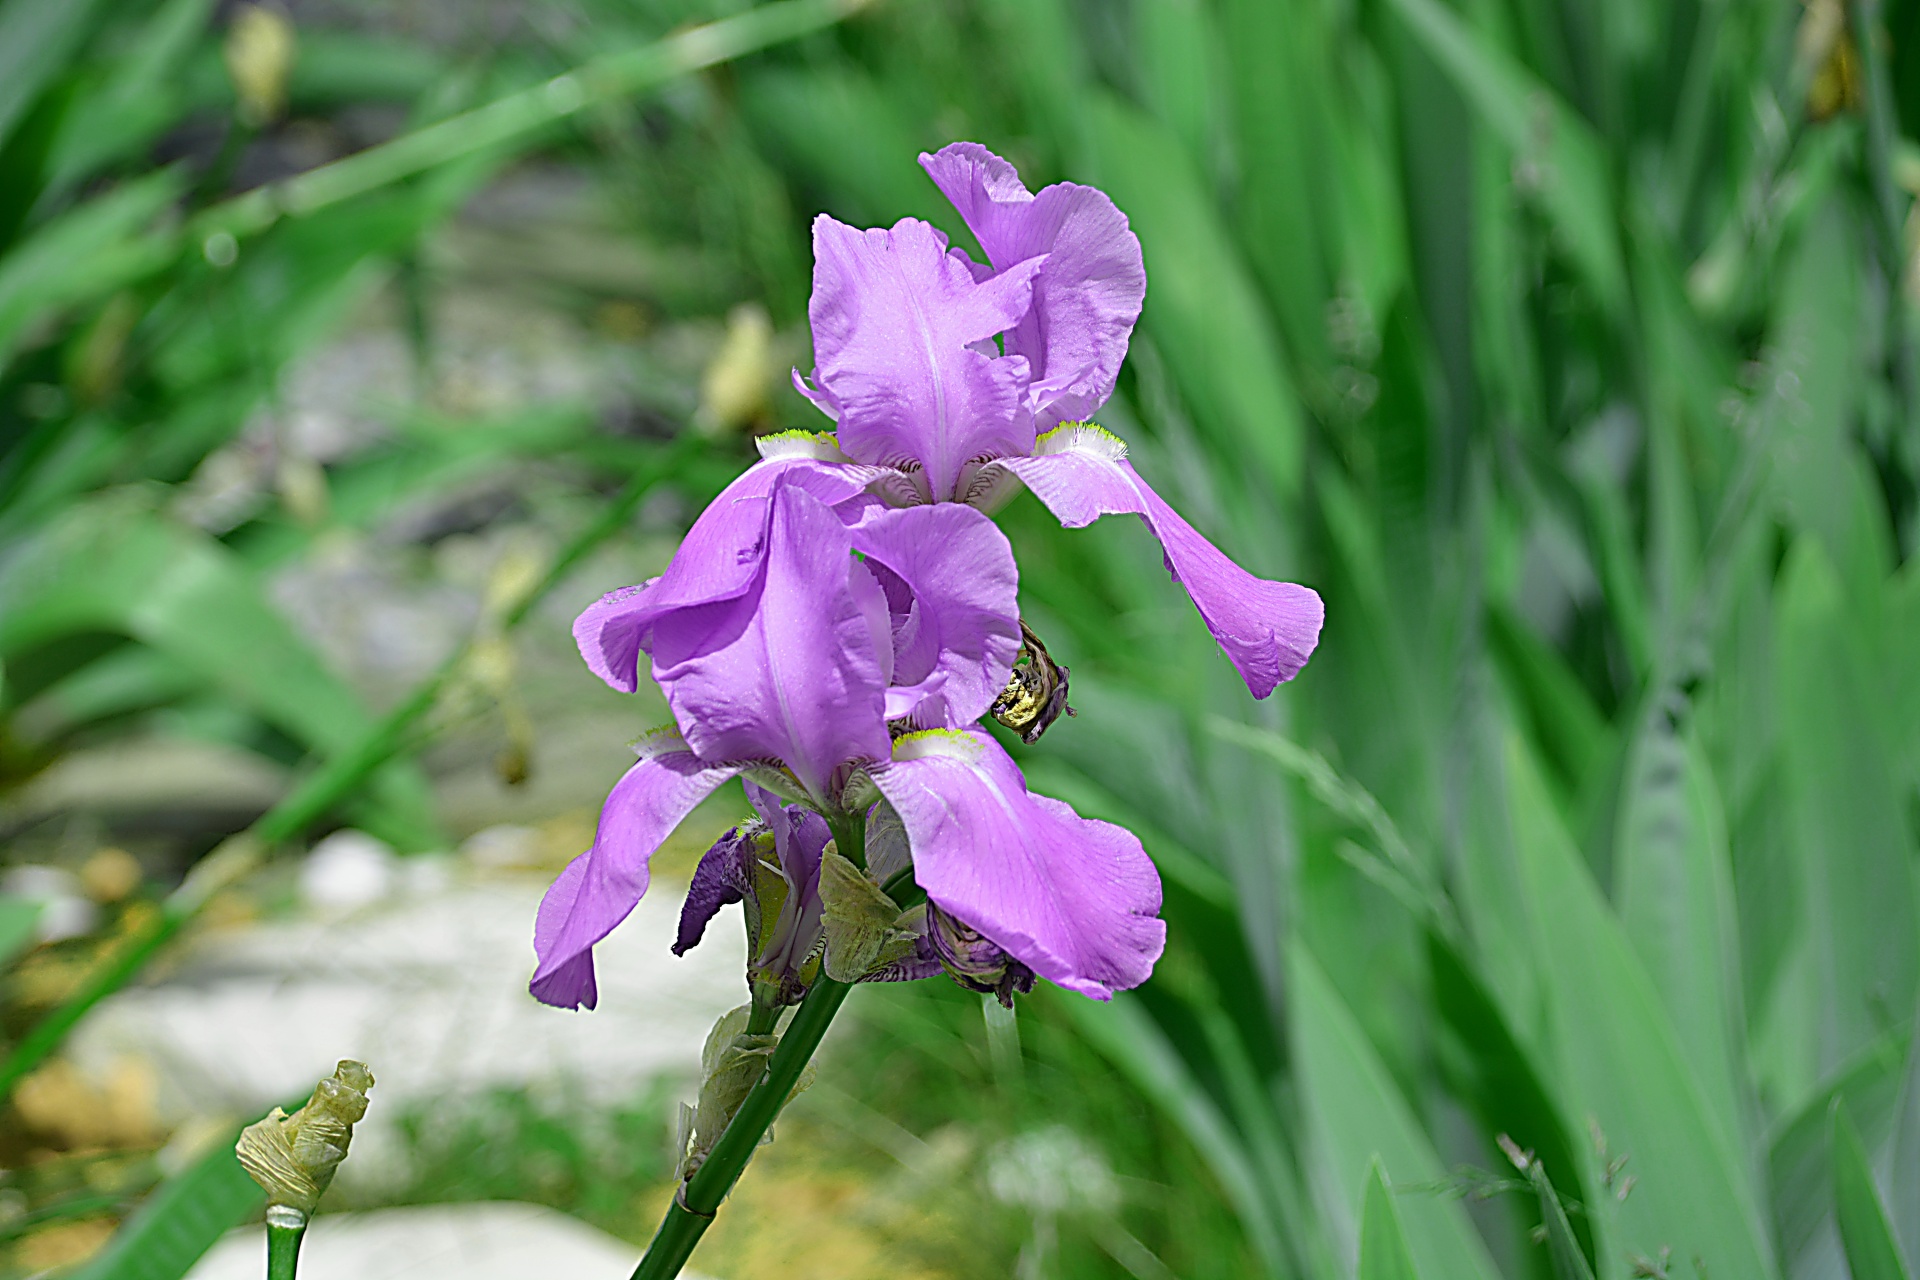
952, 640
717, 560
1087, 293
896, 323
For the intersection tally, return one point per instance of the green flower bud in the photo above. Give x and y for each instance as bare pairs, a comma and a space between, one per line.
294, 1158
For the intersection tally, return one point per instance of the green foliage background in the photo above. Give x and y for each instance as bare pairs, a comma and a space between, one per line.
1566, 348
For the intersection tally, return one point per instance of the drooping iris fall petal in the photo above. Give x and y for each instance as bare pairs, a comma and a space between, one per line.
1268, 629
601, 886
1072, 898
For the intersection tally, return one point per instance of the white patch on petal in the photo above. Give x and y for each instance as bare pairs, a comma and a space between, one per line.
822, 446
1081, 437
655, 743
990, 487
956, 744
899, 489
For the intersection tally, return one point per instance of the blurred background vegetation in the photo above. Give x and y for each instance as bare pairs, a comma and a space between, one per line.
1559, 920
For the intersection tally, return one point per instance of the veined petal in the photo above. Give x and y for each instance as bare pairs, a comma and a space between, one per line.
963, 631
1268, 629
600, 887
1086, 296
788, 670
716, 561
1074, 899
893, 317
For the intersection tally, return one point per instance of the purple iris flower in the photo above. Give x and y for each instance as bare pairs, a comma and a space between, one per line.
950, 381
904, 329
793, 660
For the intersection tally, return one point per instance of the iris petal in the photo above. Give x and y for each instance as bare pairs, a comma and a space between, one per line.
962, 631
716, 561
1087, 294
1268, 629
1073, 899
895, 317
601, 886
789, 669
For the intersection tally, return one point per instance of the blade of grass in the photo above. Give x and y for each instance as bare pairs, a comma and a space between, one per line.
1124, 1033
1618, 1060
326, 787
1358, 1116
180, 1220
1383, 1244
521, 114
1872, 1253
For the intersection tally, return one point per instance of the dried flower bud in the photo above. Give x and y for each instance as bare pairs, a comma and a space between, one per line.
294, 1157
1036, 693
975, 961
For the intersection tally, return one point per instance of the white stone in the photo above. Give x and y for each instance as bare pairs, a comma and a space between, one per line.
432, 994
488, 1241
347, 871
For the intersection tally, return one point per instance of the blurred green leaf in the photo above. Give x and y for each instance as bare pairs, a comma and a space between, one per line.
1359, 1118
85, 253
1852, 846
1128, 1038
1673, 889
1201, 309
1383, 1245
1553, 150
36, 39
19, 925
1800, 1162
115, 565
180, 1220
1872, 1253
1619, 1061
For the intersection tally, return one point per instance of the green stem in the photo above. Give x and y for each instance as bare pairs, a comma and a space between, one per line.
850, 836
692, 1210
283, 1247
698, 1199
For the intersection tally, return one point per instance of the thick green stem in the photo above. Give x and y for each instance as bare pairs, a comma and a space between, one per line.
850, 836
699, 1199
283, 1244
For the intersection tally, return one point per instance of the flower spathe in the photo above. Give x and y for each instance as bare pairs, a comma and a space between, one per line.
788, 665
